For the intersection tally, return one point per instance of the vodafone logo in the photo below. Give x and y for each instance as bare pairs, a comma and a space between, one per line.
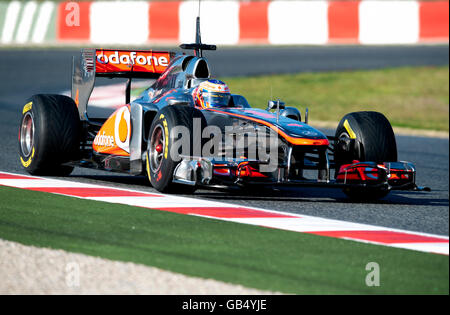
104, 140
135, 58
114, 136
122, 129
112, 61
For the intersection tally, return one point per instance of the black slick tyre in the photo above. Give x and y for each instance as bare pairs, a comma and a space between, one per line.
49, 135
372, 139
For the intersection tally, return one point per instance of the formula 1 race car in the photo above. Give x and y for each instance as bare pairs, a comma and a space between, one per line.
182, 145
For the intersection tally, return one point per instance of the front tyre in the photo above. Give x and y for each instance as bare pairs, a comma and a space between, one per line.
49, 135
365, 136
162, 158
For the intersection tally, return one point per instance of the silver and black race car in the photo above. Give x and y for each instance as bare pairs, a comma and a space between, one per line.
181, 146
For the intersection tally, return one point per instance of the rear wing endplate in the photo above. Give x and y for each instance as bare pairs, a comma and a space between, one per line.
113, 63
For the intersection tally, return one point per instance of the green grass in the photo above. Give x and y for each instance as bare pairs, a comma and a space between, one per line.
413, 97
253, 256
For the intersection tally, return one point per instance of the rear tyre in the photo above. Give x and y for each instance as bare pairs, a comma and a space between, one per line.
374, 141
49, 135
161, 158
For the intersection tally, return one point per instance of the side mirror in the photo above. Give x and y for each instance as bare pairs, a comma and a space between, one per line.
275, 104
292, 113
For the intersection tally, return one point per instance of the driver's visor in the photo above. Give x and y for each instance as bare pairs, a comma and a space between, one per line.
216, 99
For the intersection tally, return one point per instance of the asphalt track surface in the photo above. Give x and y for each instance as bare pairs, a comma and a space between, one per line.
27, 72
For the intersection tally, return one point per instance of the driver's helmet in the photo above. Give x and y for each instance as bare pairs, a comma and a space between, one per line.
212, 93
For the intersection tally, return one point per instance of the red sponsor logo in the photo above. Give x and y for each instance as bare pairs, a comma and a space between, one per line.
137, 61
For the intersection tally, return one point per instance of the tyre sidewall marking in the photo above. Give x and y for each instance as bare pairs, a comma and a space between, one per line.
148, 165
349, 129
27, 107
157, 176
30, 159
166, 134
26, 163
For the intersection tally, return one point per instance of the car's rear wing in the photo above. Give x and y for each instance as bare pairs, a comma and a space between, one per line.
114, 63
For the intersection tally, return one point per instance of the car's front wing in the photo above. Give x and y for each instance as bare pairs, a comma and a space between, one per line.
234, 172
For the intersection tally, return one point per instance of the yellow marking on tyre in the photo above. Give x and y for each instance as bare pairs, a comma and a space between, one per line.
27, 107
349, 129
27, 162
166, 132
148, 166
161, 116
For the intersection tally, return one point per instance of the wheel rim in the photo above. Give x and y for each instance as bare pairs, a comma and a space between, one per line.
27, 134
157, 145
